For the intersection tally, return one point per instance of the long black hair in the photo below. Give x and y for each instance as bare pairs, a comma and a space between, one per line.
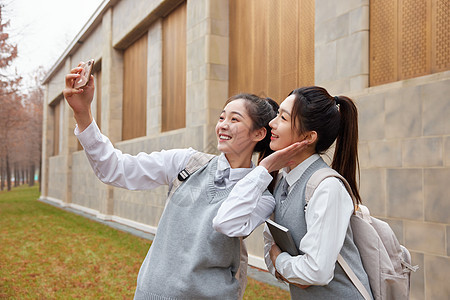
334, 119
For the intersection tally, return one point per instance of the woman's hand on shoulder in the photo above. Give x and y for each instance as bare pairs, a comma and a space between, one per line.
283, 158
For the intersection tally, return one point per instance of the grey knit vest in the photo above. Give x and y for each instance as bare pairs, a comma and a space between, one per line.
188, 259
291, 214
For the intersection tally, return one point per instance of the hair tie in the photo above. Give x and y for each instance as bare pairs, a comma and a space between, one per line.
336, 98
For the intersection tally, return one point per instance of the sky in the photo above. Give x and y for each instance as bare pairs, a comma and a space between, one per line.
43, 29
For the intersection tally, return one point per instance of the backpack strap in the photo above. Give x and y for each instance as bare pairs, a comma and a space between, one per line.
311, 186
353, 278
195, 162
318, 176
364, 213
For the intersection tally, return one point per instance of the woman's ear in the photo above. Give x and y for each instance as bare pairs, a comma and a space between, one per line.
259, 134
311, 137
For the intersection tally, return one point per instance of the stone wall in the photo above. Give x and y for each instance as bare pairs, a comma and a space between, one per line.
405, 168
342, 45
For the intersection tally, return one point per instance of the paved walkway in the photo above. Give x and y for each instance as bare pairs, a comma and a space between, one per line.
255, 273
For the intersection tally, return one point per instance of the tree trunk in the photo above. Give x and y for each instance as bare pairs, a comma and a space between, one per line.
40, 173
8, 173
2, 177
31, 175
16, 176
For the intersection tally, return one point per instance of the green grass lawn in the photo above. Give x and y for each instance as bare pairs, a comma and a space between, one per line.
48, 253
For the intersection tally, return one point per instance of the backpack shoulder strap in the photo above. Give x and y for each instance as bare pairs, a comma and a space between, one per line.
358, 284
195, 162
318, 176
311, 186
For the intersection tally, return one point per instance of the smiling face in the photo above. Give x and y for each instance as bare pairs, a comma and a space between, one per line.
234, 131
283, 134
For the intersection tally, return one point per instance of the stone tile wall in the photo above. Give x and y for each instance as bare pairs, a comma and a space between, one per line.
58, 177
342, 45
405, 173
88, 190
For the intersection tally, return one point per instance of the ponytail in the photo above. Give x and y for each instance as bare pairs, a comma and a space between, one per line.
345, 159
334, 119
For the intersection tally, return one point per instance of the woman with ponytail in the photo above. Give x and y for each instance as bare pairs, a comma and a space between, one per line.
310, 116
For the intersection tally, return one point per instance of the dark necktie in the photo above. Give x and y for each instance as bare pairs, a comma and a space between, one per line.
284, 189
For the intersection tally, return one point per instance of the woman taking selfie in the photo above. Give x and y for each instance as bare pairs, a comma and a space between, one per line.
196, 251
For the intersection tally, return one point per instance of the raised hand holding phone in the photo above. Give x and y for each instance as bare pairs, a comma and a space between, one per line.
80, 98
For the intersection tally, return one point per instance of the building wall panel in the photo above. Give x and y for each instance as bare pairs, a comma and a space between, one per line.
408, 38
271, 49
173, 115
134, 110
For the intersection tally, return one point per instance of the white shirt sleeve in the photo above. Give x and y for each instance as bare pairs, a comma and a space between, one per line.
134, 172
327, 218
268, 242
246, 207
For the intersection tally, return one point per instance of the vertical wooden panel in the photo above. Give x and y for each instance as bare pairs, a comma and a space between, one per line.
440, 35
134, 114
274, 86
306, 27
383, 42
271, 49
289, 46
415, 45
174, 70
241, 45
408, 38
258, 48
56, 127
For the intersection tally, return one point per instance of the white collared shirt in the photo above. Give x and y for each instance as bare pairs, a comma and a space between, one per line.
229, 175
294, 175
147, 171
327, 219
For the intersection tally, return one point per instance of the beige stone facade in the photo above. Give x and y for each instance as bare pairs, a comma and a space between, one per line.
404, 126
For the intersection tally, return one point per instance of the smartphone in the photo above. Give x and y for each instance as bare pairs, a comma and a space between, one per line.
85, 74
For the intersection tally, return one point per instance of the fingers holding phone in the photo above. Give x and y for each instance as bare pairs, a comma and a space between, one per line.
85, 74
79, 78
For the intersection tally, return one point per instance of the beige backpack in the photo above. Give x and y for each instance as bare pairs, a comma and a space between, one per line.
386, 262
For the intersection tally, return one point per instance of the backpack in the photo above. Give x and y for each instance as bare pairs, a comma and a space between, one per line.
386, 262
195, 162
